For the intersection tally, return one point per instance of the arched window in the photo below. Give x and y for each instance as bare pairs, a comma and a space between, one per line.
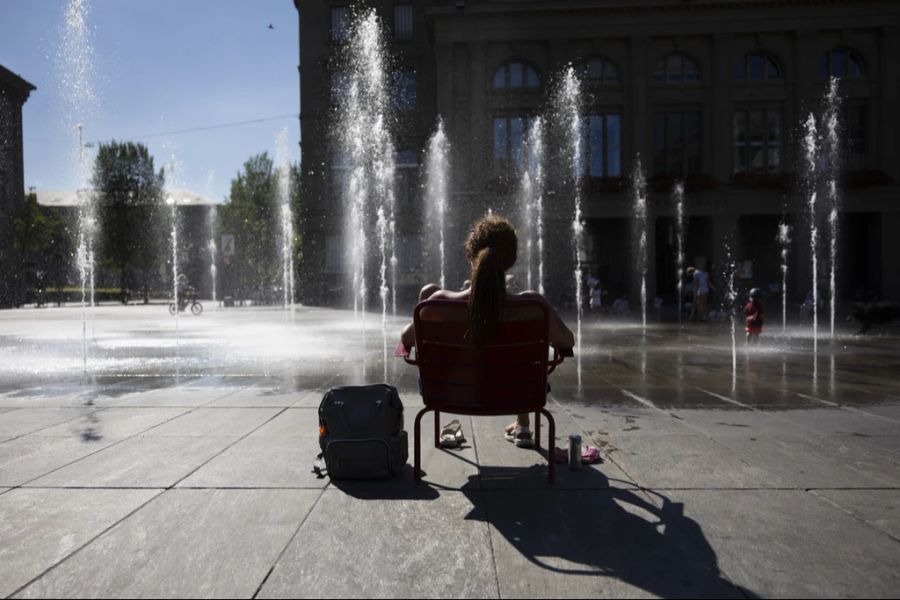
841, 62
676, 68
516, 75
599, 71
757, 66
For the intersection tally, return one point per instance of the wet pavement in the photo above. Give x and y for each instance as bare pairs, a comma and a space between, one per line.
164, 458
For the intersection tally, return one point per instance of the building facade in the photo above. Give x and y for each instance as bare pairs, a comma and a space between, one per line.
14, 91
711, 93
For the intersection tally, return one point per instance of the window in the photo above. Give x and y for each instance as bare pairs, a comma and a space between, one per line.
676, 68
516, 75
334, 254
403, 21
509, 139
676, 141
410, 256
854, 128
340, 23
599, 71
407, 174
759, 141
340, 87
341, 165
841, 62
405, 90
603, 145
756, 66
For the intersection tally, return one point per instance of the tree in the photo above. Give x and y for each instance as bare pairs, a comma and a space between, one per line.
251, 215
44, 247
129, 200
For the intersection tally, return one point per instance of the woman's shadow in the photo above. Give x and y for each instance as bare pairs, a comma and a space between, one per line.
597, 531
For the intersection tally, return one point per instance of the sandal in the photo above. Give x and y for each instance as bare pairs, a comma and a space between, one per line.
589, 455
520, 436
452, 435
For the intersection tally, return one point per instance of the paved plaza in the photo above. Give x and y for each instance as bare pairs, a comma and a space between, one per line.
164, 459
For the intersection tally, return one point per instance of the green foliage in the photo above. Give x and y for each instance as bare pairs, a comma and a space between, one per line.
43, 247
130, 213
252, 216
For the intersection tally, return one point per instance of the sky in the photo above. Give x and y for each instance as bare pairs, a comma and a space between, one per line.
159, 67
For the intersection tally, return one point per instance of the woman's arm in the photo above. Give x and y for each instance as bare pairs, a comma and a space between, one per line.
408, 336
560, 335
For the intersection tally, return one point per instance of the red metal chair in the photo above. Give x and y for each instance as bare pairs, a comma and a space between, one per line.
507, 376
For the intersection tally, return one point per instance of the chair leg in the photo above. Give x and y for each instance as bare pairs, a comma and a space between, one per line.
437, 429
551, 475
537, 431
417, 445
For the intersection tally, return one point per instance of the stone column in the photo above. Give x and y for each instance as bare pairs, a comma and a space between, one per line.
890, 256
722, 108
805, 70
638, 112
480, 130
888, 145
725, 233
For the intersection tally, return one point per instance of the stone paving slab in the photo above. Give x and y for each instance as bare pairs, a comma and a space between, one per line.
23, 421
879, 508
37, 400
797, 463
139, 462
39, 528
784, 543
611, 543
890, 410
624, 422
885, 446
228, 422
113, 422
503, 466
263, 397
24, 459
292, 422
843, 421
226, 540
177, 397
400, 545
262, 462
683, 461
742, 422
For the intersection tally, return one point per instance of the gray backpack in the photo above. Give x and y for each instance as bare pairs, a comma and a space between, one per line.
361, 432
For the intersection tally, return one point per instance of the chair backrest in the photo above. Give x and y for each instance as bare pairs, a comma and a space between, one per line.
507, 375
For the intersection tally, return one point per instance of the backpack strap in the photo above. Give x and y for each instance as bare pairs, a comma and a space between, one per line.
319, 466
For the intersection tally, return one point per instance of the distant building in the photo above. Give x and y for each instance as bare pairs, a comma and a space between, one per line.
14, 91
712, 93
194, 235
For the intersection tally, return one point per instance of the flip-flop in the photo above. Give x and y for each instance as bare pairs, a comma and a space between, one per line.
452, 435
590, 455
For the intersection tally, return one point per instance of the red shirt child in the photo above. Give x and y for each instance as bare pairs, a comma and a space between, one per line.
753, 313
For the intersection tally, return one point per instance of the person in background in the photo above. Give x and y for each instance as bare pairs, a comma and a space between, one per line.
596, 300
702, 287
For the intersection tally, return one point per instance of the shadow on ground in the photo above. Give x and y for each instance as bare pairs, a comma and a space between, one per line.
600, 532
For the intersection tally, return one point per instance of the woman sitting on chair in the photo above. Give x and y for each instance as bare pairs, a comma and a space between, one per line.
491, 251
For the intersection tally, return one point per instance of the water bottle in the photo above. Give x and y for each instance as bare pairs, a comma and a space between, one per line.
575, 452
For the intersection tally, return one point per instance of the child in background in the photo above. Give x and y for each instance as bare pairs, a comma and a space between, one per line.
753, 316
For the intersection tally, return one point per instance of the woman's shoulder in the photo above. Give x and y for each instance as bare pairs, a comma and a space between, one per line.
532, 295
449, 295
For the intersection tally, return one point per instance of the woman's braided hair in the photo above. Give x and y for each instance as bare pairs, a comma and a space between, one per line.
491, 249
